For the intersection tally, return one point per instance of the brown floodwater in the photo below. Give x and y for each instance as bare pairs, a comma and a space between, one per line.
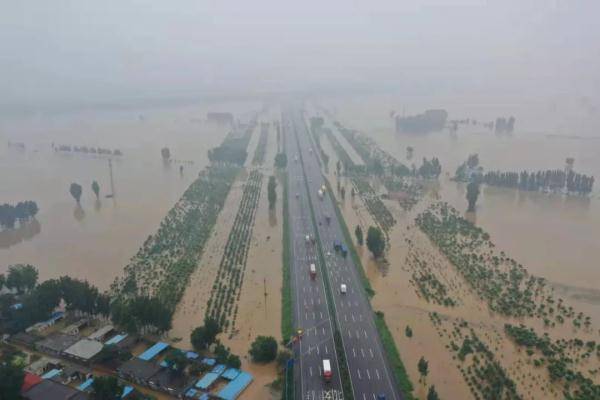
96, 240
554, 236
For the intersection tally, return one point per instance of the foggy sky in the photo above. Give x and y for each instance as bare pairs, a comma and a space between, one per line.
68, 51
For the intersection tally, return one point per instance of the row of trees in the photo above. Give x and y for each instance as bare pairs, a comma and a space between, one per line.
76, 190
88, 150
22, 212
271, 192
542, 180
430, 169
504, 125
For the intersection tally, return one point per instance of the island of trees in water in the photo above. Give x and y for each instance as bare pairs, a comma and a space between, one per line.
557, 180
66, 148
22, 212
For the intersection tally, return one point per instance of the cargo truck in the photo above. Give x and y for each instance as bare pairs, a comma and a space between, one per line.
313, 271
327, 374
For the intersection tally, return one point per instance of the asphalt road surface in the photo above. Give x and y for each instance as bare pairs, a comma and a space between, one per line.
311, 313
369, 368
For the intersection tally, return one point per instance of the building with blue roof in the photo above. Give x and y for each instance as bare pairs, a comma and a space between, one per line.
52, 373
85, 385
234, 388
209, 361
115, 339
219, 369
207, 381
127, 390
231, 374
190, 355
153, 351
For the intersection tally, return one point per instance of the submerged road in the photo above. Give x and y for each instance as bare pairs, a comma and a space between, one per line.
369, 369
311, 311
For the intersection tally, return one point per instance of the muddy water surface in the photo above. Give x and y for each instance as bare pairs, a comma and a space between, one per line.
96, 240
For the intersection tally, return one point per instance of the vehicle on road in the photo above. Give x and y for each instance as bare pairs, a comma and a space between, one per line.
344, 250
320, 193
327, 374
343, 288
297, 195
327, 219
337, 245
313, 271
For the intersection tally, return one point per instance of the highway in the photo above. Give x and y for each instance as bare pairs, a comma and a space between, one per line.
311, 312
369, 369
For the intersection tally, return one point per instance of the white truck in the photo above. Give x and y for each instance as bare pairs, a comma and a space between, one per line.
313, 271
343, 288
320, 193
327, 374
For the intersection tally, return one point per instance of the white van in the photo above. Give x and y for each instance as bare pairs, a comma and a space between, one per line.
343, 288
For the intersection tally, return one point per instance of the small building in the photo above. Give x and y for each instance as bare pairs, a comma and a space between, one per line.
24, 339
51, 390
84, 350
102, 334
75, 327
235, 387
138, 371
57, 343
29, 381
40, 326
169, 381
153, 351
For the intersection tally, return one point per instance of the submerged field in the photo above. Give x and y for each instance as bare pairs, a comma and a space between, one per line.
449, 310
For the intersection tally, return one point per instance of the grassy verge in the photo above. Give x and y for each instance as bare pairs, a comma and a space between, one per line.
389, 345
287, 322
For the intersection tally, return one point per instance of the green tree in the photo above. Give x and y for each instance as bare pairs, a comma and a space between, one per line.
375, 241
281, 160
11, 380
176, 360
233, 361
408, 331
472, 195
263, 349
75, 190
359, 235
423, 367
96, 189
272, 193
282, 358
165, 153
21, 277
106, 388
205, 335
2, 281
432, 394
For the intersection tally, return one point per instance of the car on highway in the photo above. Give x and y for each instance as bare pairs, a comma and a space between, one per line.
297, 195
343, 288
313, 271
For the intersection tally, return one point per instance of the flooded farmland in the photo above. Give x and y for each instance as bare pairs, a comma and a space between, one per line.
95, 241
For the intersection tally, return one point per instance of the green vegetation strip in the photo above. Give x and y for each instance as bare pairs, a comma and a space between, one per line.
162, 266
261, 147
287, 321
393, 355
226, 290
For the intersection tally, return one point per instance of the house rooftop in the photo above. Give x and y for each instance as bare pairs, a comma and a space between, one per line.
139, 369
51, 390
100, 333
58, 342
84, 349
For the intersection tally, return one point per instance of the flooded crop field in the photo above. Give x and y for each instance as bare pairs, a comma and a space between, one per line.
96, 240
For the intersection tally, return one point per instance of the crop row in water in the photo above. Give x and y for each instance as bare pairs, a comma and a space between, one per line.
226, 289
481, 371
499, 280
562, 359
162, 266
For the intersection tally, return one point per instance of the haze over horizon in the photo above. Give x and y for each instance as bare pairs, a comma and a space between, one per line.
80, 52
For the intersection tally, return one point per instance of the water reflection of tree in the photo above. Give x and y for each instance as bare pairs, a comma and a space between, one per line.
78, 213
97, 205
26, 231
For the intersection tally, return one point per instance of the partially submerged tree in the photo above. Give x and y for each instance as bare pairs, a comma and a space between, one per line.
423, 367
375, 241
472, 195
359, 235
75, 190
205, 335
272, 193
96, 189
21, 277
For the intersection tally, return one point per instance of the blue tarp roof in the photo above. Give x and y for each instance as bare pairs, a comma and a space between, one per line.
191, 355
209, 361
191, 392
116, 339
231, 374
85, 384
153, 351
207, 380
235, 387
51, 374
126, 391
219, 369
204, 397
